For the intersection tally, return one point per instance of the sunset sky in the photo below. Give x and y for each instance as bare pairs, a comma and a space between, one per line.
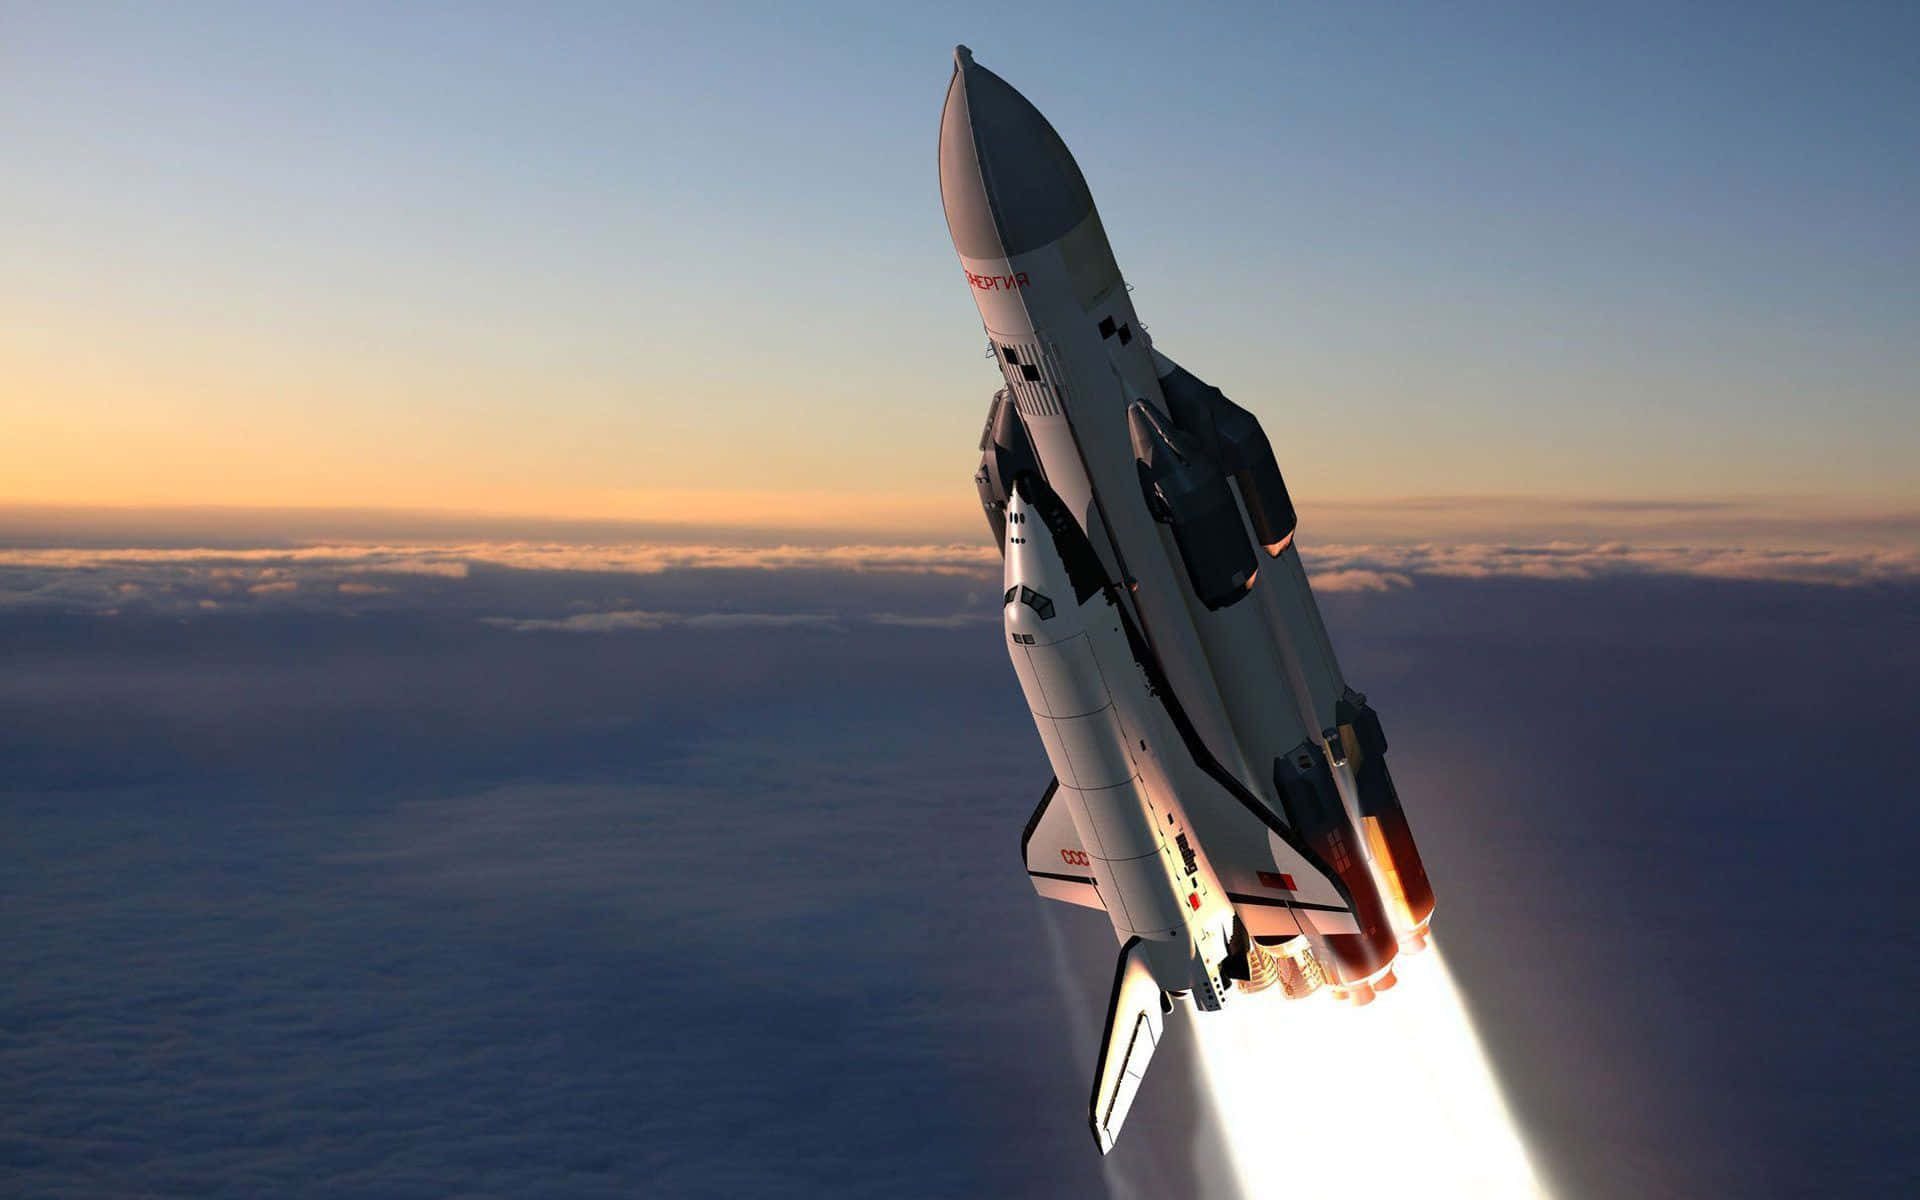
687, 263
501, 692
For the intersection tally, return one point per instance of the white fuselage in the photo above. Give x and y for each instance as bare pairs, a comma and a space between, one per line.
1090, 706
1230, 668
1047, 306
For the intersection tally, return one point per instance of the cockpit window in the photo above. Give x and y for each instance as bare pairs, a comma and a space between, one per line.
1011, 593
1036, 602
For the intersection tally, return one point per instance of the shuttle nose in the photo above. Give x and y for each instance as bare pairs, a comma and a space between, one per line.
1032, 557
1008, 182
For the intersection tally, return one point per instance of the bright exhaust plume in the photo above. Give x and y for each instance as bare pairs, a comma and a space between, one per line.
1423, 1114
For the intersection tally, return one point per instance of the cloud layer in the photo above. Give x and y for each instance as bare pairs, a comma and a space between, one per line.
1378, 567
636, 587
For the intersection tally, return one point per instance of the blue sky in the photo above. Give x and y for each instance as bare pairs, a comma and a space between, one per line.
679, 261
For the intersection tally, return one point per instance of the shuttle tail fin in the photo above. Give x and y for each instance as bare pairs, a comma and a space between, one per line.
1056, 860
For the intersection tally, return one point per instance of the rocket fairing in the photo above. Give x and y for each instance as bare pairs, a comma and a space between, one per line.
1219, 791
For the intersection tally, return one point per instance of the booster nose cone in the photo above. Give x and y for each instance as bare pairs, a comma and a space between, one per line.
1008, 182
1156, 444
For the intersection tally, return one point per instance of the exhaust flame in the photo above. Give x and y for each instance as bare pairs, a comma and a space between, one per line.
1316, 1099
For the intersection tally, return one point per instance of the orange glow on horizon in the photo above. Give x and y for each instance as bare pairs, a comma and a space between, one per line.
931, 516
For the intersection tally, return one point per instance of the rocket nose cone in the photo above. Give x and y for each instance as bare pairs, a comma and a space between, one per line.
1008, 182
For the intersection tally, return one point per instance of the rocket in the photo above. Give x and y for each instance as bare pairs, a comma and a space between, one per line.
1218, 790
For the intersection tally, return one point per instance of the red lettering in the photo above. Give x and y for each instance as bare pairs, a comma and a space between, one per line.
997, 283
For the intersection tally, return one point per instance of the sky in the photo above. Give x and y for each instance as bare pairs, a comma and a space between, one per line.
686, 263
498, 693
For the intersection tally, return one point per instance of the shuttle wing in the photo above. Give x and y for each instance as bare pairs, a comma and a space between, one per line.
1056, 861
1135, 1023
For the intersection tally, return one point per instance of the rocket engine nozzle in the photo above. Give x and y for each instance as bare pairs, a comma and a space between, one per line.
1416, 940
1256, 968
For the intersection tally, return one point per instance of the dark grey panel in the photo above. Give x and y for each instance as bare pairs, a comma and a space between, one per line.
1233, 436
1185, 490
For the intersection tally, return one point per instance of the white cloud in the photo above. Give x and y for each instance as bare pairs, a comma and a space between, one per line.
944, 621
488, 579
1356, 579
1354, 565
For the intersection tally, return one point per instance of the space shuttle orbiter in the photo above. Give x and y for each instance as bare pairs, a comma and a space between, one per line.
1219, 791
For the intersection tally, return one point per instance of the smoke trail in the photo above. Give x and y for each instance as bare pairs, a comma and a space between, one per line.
1317, 1098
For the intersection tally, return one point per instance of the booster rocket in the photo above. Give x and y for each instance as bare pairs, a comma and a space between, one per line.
1218, 790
